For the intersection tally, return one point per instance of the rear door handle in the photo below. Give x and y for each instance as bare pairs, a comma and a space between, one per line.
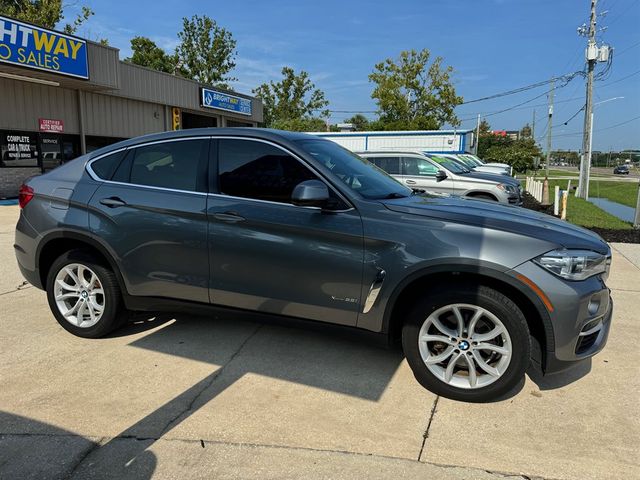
410, 182
113, 202
229, 217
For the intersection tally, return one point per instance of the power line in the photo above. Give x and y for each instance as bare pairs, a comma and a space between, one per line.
564, 78
572, 134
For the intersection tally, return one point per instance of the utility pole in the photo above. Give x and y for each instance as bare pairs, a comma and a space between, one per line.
592, 58
551, 92
477, 134
533, 126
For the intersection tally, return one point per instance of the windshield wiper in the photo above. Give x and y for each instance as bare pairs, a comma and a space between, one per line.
417, 191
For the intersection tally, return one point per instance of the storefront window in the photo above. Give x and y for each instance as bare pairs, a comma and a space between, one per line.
18, 149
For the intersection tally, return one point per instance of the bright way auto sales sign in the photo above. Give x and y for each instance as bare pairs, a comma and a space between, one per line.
38, 48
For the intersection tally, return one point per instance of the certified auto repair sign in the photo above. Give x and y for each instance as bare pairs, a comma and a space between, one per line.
37, 48
50, 125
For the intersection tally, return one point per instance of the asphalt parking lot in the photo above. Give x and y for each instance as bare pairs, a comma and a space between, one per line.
232, 397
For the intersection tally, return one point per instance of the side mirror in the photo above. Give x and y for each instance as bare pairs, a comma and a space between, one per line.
441, 175
310, 193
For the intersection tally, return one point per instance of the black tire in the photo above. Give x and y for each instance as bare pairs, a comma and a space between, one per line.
113, 316
497, 304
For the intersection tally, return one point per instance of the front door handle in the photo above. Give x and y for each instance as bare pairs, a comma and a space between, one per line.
113, 202
410, 182
229, 217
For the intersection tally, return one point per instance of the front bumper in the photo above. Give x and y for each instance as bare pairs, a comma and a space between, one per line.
580, 320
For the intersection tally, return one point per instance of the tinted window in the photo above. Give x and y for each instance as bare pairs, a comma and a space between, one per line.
391, 165
179, 165
106, 166
418, 167
251, 169
357, 173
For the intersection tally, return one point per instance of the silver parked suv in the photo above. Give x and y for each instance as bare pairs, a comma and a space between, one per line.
439, 174
294, 225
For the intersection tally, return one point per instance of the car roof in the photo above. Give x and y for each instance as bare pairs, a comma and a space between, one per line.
249, 132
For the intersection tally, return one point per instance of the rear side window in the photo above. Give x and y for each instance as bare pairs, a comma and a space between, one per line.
391, 165
179, 165
257, 170
106, 166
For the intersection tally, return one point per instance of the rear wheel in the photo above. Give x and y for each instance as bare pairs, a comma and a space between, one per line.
468, 343
84, 295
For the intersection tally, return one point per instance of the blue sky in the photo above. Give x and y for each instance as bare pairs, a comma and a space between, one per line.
493, 45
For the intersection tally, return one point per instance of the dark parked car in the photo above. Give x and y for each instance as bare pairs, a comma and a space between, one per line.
289, 224
621, 170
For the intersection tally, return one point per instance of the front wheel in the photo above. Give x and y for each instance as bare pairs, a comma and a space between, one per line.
84, 295
468, 343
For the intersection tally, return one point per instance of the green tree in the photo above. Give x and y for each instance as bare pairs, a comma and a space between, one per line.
147, 54
413, 94
519, 153
291, 103
206, 51
526, 131
359, 121
485, 128
46, 13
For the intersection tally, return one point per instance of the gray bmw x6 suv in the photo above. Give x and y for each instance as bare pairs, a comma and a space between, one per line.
288, 224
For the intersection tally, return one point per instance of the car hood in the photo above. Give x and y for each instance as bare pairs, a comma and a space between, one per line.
500, 217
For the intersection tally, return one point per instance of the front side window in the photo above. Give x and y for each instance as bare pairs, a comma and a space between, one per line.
251, 169
355, 172
418, 167
178, 165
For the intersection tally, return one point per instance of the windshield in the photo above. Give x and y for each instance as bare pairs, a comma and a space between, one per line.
472, 160
449, 164
464, 161
358, 174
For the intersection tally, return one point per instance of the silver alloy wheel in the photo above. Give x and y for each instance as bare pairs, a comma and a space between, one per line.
79, 295
465, 346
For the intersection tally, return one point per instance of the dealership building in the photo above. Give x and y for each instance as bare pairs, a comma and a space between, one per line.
62, 96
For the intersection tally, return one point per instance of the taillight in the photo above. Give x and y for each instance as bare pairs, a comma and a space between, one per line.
25, 195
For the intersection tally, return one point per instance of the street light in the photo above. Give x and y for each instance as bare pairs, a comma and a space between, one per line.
582, 180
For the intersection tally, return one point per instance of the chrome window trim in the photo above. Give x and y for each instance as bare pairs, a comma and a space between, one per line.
271, 202
301, 160
95, 177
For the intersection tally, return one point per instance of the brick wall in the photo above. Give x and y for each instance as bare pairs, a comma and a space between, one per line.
12, 178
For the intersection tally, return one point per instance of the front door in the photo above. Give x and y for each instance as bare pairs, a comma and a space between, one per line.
152, 214
420, 173
272, 256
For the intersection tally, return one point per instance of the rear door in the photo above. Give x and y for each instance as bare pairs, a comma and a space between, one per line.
272, 256
151, 212
420, 173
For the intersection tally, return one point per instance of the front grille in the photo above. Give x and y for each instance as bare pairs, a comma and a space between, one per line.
586, 342
588, 336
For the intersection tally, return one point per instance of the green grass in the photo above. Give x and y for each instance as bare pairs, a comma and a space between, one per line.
586, 214
625, 193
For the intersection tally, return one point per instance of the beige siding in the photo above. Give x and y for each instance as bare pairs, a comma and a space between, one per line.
111, 116
104, 65
23, 103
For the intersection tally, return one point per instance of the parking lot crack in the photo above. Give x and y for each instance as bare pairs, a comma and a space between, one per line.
169, 425
426, 432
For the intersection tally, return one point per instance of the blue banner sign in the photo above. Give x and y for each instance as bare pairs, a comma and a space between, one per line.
41, 49
224, 101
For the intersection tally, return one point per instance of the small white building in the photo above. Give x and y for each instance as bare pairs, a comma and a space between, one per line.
433, 141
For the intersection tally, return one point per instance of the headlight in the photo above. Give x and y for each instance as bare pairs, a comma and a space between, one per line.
573, 264
507, 188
